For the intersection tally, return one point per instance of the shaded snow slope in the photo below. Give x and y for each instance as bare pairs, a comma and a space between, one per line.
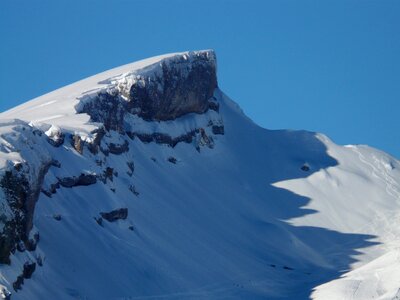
205, 206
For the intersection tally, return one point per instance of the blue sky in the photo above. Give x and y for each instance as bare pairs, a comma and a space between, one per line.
326, 66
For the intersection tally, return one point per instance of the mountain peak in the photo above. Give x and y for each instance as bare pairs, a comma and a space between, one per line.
171, 84
170, 88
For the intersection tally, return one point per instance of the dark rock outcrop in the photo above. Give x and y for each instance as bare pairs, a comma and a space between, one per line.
31, 243
218, 129
172, 160
166, 90
77, 143
161, 138
183, 84
21, 197
95, 144
20, 185
82, 179
29, 268
108, 108
131, 167
305, 168
116, 149
17, 284
57, 140
114, 215
16, 190
52, 189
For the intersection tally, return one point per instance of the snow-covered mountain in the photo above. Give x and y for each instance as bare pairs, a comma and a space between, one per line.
148, 182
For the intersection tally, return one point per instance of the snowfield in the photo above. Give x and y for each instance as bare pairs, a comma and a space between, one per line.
249, 213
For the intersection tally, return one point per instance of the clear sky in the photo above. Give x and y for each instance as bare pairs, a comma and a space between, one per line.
326, 66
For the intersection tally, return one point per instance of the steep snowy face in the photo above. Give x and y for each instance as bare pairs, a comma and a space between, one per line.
147, 181
105, 115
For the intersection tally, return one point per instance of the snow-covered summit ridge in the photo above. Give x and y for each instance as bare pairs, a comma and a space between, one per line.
59, 108
166, 99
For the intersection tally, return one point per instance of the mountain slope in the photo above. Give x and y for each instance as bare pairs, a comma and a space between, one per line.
147, 182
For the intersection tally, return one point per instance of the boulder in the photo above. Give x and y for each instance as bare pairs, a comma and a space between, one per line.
114, 215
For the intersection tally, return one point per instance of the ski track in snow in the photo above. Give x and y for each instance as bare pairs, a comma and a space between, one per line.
378, 171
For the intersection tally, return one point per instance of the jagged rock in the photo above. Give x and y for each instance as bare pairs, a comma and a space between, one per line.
182, 84
21, 246
86, 179
56, 140
18, 166
20, 184
118, 149
133, 190
108, 108
161, 138
31, 243
213, 105
83, 179
204, 140
114, 215
305, 168
77, 143
68, 182
108, 174
56, 163
131, 167
95, 144
16, 189
29, 268
176, 86
172, 160
17, 284
52, 189
218, 129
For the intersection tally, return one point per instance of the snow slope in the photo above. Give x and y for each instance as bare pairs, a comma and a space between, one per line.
256, 214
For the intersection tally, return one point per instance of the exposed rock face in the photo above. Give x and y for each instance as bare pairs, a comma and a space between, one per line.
169, 89
184, 84
21, 185
160, 138
16, 190
82, 179
77, 143
218, 129
29, 268
114, 215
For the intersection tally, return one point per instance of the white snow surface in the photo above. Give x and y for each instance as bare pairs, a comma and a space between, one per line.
241, 220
